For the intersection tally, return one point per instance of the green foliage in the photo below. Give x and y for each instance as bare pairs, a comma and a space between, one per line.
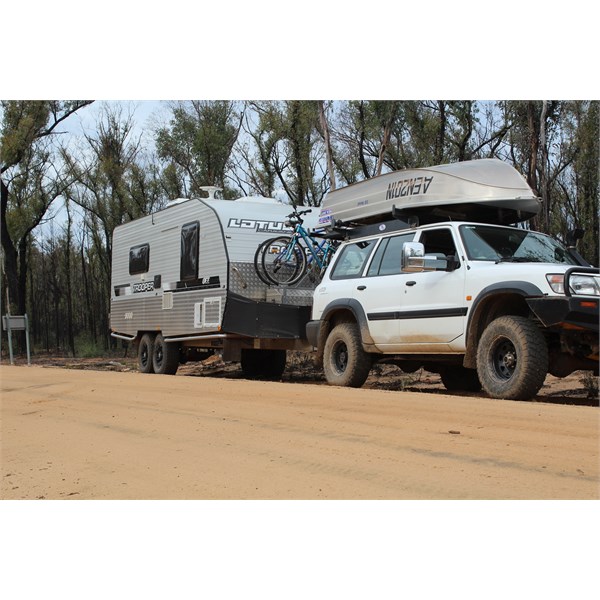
290, 151
199, 141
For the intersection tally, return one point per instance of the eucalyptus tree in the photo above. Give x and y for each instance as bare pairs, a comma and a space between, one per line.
197, 143
31, 179
115, 182
282, 146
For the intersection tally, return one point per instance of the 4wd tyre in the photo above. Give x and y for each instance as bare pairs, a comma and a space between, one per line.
459, 378
145, 350
512, 358
165, 357
263, 364
344, 360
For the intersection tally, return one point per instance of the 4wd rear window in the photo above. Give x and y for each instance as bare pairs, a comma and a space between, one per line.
352, 260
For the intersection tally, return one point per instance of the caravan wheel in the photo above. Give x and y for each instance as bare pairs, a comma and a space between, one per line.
145, 352
263, 364
165, 358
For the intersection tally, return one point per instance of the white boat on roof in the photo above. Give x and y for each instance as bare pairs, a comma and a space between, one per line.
478, 190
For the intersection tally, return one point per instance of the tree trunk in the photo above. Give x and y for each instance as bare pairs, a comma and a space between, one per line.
544, 170
10, 254
70, 336
326, 137
439, 154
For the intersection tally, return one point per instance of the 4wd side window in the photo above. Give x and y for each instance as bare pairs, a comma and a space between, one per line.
439, 242
388, 257
352, 260
190, 237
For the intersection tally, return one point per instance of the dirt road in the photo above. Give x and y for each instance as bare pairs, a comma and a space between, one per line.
84, 435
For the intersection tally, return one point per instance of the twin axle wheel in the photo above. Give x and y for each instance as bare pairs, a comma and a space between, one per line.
155, 355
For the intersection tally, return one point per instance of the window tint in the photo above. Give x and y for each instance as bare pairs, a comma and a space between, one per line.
139, 259
352, 260
388, 258
438, 241
190, 236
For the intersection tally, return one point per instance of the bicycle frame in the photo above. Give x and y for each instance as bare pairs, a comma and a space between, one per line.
309, 242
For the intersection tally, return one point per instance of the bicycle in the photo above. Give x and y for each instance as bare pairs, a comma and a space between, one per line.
283, 260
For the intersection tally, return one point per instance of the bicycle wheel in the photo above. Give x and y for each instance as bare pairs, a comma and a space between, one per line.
258, 261
283, 262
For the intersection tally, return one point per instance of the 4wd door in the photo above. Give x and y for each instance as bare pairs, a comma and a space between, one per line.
415, 311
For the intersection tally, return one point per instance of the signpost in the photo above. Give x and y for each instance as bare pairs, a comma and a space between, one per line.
12, 323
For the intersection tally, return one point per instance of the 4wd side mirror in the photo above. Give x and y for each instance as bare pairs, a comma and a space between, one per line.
413, 257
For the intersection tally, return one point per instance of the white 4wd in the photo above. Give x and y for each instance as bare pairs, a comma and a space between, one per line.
482, 305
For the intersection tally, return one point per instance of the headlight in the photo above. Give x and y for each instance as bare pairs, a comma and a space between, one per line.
584, 285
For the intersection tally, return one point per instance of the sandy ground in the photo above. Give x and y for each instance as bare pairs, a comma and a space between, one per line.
73, 434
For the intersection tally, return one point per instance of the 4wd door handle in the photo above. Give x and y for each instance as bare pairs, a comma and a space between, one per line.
361, 287
411, 283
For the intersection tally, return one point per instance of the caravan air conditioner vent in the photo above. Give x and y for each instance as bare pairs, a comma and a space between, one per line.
211, 315
167, 300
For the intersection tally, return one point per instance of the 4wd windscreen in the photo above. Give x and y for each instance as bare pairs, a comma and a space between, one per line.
499, 244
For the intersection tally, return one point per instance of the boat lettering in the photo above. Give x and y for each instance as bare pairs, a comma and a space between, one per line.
408, 187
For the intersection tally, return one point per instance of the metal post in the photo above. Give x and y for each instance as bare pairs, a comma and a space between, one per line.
27, 340
10, 350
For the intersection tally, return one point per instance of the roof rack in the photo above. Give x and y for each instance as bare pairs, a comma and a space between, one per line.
352, 230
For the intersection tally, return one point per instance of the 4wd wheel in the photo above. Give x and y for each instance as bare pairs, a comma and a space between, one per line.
263, 364
459, 378
512, 358
145, 350
165, 357
344, 360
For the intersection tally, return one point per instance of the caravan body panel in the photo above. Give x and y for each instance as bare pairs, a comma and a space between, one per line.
188, 296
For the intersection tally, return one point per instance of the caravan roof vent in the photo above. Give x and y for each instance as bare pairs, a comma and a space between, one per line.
214, 192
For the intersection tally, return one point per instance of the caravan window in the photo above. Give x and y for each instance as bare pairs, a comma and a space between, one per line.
139, 259
190, 237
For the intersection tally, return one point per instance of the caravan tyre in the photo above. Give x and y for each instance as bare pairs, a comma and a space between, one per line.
145, 352
165, 358
263, 364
